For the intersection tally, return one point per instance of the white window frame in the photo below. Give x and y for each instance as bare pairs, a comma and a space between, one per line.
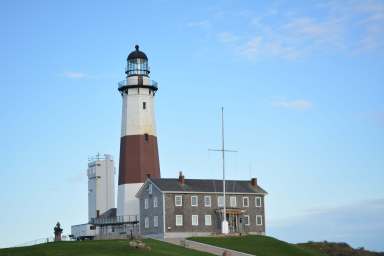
260, 217
208, 220
232, 201
261, 201
155, 202
197, 201
220, 199
180, 222
150, 189
146, 222
245, 199
248, 223
209, 204
195, 220
181, 200
155, 221
146, 203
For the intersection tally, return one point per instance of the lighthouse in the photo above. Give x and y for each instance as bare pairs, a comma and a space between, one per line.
139, 156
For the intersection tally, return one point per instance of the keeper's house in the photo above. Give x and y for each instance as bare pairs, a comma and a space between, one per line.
193, 207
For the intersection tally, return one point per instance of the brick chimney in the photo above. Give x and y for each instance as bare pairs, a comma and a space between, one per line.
181, 178
254, 182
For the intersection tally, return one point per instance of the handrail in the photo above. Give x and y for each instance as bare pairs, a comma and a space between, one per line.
114, 220
124, 83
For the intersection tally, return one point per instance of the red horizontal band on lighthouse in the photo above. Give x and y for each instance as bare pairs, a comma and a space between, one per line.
138, 158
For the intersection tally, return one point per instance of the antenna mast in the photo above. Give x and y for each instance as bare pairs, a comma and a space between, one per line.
224, 227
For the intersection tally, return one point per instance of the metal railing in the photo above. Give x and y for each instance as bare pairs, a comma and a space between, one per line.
99, 157
124, 83
117, 220
42, 241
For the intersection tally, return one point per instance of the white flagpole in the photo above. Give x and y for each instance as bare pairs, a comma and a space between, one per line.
224, 227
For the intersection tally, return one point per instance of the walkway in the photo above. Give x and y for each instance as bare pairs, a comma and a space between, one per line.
204, 247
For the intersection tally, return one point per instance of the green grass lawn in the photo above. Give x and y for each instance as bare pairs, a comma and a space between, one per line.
99, 248
259, 245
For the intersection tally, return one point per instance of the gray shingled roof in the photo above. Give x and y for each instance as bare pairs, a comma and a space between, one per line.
199, 185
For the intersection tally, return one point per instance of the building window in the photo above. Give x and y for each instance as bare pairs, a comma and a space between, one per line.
155, 202
179, 220
146, 203
155, 221
207, 201
178, 200
232, 201
246, 220
220, 201
146, 136
194, 200
258, 201
146, 222
144, 105
245, 201
259, 220
150, 189
208, 220
195, 220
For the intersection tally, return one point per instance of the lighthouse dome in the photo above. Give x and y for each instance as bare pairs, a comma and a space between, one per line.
137, 54
137, 63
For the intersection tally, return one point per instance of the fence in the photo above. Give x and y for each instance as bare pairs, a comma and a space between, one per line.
42, 241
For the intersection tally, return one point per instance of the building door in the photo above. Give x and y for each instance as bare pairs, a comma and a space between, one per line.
233, 223
241, 225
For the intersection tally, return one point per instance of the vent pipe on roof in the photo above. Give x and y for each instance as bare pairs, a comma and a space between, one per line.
254, 182
181, 178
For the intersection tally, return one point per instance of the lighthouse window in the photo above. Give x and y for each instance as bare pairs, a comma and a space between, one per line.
146, 137
144, 105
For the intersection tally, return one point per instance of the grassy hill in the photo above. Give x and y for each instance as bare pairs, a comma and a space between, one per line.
339, 249
259, 245
99, 248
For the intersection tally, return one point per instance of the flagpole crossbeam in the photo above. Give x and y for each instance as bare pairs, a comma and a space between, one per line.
225, 150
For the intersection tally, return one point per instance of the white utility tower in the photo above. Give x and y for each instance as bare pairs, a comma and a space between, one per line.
101, 185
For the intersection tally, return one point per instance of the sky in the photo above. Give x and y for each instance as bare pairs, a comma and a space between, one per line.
301, 82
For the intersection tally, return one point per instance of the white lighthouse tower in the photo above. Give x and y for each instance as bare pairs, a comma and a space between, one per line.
138, 144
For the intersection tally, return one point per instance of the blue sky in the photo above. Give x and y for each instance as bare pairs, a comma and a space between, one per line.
301, 83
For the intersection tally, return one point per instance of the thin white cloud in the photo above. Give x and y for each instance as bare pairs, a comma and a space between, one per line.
318, 32
227, 37
297, 37
75, 75
348, 27
260, 47
199, 24
293, 104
